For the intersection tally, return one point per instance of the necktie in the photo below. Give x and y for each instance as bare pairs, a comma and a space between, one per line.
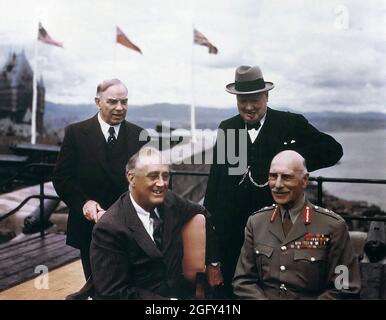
253, 125
157, 229
111, 139
287, 223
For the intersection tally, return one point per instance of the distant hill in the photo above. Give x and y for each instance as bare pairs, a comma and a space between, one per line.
59, 115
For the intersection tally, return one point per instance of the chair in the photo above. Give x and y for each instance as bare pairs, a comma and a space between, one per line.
358, 240
193, 263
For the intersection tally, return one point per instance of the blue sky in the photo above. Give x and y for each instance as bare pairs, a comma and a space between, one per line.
321, 55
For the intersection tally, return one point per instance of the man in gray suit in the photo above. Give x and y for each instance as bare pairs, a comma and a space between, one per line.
294, 249
136, 249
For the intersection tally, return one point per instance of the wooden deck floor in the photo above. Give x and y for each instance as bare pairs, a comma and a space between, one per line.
62, 281
19, 259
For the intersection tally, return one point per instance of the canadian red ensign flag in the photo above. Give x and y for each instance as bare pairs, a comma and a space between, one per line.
123, 40
43, 36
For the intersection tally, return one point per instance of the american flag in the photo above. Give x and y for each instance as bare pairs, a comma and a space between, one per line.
43, 36
201, 40
123, 40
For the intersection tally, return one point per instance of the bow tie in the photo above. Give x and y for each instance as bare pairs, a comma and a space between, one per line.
253, 125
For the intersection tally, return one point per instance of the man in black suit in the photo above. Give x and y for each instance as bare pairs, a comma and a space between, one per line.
259, 133
136, 249
90, 171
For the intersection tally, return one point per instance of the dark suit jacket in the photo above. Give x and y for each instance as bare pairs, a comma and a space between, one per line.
83, 173
126, 263
231, 203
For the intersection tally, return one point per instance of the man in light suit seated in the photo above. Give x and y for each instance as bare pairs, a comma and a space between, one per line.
136, 249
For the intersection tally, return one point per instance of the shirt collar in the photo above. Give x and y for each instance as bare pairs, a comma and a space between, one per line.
295, 210
105, 127
261, 122
141, 211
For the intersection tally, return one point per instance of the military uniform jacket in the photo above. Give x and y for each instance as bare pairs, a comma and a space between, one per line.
301, 265
231, 203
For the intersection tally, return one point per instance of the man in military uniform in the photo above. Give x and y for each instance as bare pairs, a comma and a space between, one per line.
255, 136
294, 249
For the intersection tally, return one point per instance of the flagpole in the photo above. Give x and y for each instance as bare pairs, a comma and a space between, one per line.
115, 52
34, 95
192, 104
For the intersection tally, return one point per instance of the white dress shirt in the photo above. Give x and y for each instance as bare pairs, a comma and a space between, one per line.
253, 133
144, 216
105, 128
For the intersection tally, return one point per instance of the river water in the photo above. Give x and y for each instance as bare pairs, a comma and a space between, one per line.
364, 157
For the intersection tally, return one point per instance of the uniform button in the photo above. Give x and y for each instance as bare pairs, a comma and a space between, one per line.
257, 251
282, 268
283, 248
312, 259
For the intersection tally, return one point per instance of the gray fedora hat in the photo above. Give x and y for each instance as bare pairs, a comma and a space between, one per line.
248, 80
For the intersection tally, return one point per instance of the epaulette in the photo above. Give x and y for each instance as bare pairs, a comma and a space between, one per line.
327, 212
268, 208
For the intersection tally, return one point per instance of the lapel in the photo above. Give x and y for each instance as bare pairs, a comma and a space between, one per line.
299, 229
276, 228
236, 124
269, 130
123, 136
168, 213
96, 142
139, 233
239, 123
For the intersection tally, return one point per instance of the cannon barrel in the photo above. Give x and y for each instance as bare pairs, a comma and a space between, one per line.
32, 222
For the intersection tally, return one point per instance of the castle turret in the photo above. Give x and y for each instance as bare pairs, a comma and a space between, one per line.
16, 92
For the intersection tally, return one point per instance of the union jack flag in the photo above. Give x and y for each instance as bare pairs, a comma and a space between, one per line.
201, 40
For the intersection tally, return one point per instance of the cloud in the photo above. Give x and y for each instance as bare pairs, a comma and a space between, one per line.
325, 57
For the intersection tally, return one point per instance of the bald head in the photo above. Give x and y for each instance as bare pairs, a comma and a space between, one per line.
292, 159
288, 177
145, 156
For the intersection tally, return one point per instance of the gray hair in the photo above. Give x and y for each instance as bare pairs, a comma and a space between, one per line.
105, 84
145, 151
294, 156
